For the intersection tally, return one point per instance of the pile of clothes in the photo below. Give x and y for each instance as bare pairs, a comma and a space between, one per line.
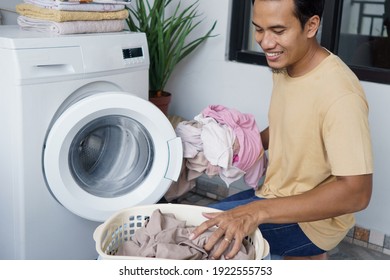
166, 237
220, 142
72, 16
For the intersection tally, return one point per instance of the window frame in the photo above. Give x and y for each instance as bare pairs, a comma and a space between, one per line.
331, 24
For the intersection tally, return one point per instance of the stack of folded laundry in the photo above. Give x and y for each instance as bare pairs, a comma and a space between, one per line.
72, 16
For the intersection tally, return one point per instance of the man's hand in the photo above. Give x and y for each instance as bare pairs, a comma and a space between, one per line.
232, 226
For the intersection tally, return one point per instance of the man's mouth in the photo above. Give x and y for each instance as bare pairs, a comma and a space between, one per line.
273, 54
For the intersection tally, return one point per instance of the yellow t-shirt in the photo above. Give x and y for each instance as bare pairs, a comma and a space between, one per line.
318, 129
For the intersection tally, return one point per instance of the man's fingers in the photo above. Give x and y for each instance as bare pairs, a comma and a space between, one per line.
204, 226
236, 248
225, 235
214, 238
223, 245
210, 215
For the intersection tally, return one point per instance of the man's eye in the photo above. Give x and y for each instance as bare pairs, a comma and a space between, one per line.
279, 31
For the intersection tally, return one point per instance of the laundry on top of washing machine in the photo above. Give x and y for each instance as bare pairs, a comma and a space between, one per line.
71, 17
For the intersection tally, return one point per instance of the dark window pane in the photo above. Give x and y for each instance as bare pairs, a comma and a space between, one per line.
364, 38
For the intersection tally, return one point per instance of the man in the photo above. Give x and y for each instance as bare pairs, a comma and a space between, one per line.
320, 160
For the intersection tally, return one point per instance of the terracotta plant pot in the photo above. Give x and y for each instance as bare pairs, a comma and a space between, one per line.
162, 102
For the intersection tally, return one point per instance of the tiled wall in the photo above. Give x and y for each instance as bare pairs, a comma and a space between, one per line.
369, 238
216, 189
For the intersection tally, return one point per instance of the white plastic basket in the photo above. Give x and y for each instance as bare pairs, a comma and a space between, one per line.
119, 228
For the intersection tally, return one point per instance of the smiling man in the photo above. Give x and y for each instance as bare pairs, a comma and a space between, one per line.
320, 159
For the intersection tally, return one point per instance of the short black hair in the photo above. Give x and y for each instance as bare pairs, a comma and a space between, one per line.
305, 9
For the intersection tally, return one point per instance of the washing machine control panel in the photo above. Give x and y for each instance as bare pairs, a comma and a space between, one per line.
133, 55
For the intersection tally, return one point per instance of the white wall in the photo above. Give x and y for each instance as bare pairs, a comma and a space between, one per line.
376, 216
208, 78
7, 9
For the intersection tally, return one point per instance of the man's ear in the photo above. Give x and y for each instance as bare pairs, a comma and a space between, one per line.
312, 26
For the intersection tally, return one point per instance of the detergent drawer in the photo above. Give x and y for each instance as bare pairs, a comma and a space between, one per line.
48, 62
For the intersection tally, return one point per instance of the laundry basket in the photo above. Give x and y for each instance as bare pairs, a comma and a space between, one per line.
119, 228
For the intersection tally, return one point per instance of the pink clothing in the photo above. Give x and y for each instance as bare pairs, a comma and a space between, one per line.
244, 127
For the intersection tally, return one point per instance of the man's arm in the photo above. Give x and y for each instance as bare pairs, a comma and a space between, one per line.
348, 194
265, 138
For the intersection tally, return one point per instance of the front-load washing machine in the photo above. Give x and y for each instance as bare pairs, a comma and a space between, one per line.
79, 140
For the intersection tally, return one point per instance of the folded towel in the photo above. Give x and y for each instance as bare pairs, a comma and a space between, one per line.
33, 11
71, 27
73, 6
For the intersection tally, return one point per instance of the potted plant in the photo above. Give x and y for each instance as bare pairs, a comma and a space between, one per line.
167, 37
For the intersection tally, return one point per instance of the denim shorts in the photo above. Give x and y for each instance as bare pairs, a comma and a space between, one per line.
284, 239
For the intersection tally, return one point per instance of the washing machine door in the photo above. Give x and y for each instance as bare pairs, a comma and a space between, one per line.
109, 151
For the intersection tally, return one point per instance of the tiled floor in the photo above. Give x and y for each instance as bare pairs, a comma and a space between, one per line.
349, 251
344, 251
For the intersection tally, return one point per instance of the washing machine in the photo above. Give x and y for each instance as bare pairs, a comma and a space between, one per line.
79, 140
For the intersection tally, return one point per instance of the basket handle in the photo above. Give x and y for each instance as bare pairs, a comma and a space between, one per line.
266, 250
97, 234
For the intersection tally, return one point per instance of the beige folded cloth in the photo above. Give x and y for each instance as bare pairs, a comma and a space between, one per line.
71, 27
33, 11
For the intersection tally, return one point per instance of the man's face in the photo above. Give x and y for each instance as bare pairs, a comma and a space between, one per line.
279, 33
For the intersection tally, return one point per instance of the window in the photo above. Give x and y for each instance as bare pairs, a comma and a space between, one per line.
356, 30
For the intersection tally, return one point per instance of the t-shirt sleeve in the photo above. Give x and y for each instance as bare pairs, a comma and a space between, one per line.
347, 136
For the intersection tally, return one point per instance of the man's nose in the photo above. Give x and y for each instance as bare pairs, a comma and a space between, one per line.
266, 40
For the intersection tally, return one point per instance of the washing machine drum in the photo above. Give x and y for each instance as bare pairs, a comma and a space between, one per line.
110, 151
111, 156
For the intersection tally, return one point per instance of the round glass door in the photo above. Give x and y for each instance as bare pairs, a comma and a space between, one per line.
111, 156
